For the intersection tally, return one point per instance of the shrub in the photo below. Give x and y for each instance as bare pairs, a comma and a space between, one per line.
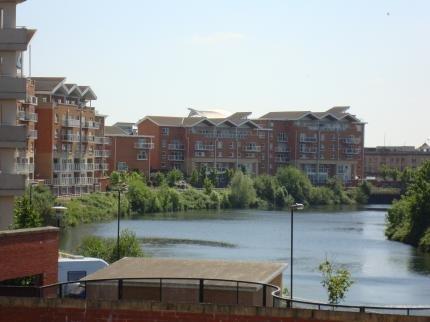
336, 281
242, 191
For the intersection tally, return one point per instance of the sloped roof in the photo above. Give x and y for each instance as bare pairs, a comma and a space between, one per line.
47, 84
337, 113
290, 115
131, 267
114, 130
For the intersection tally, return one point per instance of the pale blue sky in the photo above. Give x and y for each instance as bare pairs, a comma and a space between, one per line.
160, 57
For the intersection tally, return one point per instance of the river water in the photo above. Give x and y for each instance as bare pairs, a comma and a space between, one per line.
385, 272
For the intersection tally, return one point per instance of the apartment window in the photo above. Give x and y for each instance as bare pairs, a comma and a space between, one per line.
282, 137
219, 154
165, 131
163, 143
142, 155
231, 146
122, 166
199, 153
219, 145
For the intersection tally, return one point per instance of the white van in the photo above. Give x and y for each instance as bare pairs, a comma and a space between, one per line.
73, 268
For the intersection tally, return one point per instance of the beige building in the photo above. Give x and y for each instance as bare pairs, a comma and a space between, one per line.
13, 90
396, 157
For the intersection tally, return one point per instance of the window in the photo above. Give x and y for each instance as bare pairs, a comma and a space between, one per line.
199, 153
163, 143
75, 275
122, 166
142, 155
165, 131
219, 145
282, 137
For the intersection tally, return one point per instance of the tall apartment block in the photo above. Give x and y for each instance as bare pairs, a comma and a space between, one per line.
322, 144
13, 92
71, 147
129, 151
207, 139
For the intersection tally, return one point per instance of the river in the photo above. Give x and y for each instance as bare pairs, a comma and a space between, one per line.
385, 272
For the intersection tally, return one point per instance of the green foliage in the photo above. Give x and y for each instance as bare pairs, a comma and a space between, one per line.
142, 199
194, 179
242, 193
265, 187
106, 248
93, 208
295, 182
336, 281
173, 176
25, 216
208, 186
159, 179
408, 220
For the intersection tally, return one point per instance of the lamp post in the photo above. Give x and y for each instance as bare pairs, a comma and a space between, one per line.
31, 184
120, 188
59, 210
296, 206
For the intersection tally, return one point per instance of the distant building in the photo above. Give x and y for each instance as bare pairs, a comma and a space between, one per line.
322, 144
396, 157
71, 147
129, 152
16, 111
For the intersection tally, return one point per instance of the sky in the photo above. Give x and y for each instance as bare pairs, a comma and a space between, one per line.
161, 57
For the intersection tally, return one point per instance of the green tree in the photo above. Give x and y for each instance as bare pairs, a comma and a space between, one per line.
213, 177
25, 216
265, 187
173, 176
336, 281
208, 186
296, 182
159, 179
242, 193
106, 248
194, 180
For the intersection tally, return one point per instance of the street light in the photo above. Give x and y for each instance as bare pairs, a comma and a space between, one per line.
31, 185
296, 206
120, 188
59, 210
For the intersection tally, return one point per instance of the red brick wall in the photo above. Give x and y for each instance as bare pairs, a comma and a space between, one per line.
27, 252
50, 310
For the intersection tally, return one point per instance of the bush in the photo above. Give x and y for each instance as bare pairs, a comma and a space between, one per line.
25, 216
173, 176
295, 182
336, 281
106, 248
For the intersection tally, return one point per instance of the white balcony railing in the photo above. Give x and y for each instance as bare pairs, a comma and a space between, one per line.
81, 181
101, 166
204, 147
70, 137
69, 122
352, 151
27, 116
175, 158
351, 140
252, 148
83, 166
102, 153
24, 168
144, 145
102, 140
91, 125
65, 167
308, 139
88, 138
176, 146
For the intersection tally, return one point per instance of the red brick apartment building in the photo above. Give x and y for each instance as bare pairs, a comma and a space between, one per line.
71, 147
322, 144
129, 152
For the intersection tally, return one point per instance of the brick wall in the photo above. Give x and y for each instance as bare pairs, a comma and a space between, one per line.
28, 252
47, 310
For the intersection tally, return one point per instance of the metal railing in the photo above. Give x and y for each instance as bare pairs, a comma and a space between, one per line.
236, 293
144, 145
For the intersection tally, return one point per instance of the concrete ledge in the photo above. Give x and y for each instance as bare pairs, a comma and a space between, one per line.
27, 231
219, 312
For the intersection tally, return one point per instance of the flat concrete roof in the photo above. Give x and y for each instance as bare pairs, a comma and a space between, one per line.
131, 267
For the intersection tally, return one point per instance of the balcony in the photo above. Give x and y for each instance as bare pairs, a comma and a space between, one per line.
102, 153
83, 167
24, 168
101, 166
65, 167
27, 116
351, 140
281, 159
79, 181
308, 139
88, 138
69, 122
15, 39
309, 150
144, 145
252, 148
32, 134
13, 87
13, 136
175, 158
204, 147
102, 140
91, 125
31, 100
352, 151
282, 149
12, 184
70, 137
176, 146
